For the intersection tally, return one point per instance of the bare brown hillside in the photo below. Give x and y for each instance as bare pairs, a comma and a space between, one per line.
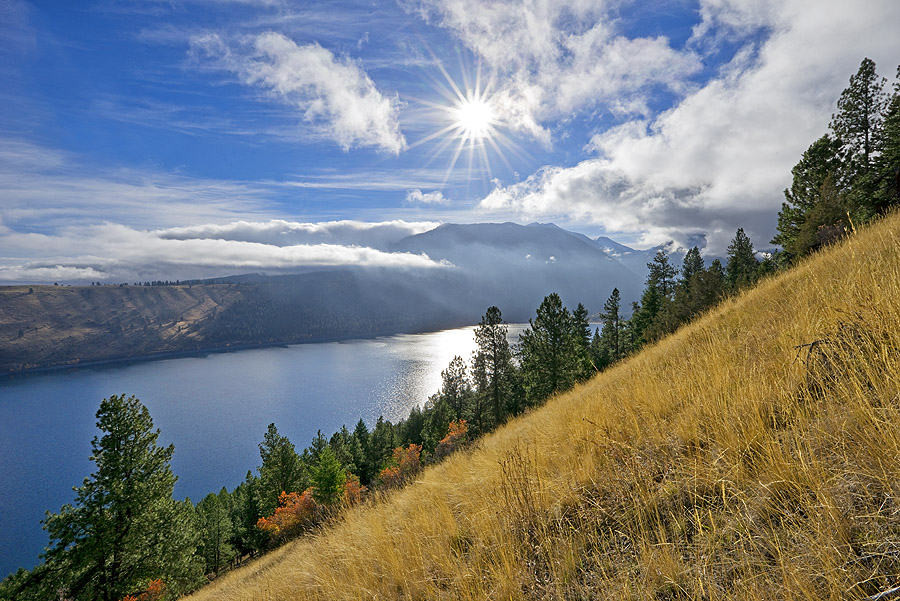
43, 326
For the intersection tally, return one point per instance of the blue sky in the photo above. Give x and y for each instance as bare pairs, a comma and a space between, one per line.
187, 138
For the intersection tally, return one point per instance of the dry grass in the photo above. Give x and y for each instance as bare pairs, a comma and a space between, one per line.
723, 463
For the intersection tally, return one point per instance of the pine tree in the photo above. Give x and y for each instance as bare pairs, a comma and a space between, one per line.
492, 363
743, 267
691, 266
859, 120
216, 529
341, 443
581, 333
858, 127
609, 336
281, 469
381, 444
888, 192
693, 269
456, 389
412, 429
124, 529
662, 274
328, 479
362, 460
245, 513
438, 416
819, 162
548, 347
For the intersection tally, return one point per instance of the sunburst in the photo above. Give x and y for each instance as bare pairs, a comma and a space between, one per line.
472, 121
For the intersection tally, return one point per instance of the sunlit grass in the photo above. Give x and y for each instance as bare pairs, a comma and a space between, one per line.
755, 454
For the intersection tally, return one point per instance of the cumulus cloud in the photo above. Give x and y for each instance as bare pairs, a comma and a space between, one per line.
720, 157
435, 197
121, 253
554, 58
333, 94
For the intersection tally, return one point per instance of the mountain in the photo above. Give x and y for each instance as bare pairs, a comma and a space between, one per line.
515, 266
751, 455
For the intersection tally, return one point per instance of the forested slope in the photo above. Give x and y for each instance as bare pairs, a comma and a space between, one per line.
751, 455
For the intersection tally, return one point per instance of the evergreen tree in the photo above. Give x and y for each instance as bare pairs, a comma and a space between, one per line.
662, 274
456, 389
819, 162
316, 446
328, 479
548, 348
124, 529
381, 444
245, 512
493, 363
888, 192
362, 460
412, 429
581, 332
686, 301
645, 313
342, 444
214, 521
691, 266
438, 415
743, 267
826, 222
610, 345
859, 119
858, 127
281, 469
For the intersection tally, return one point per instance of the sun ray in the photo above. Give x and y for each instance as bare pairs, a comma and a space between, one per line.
471, 119
459, 147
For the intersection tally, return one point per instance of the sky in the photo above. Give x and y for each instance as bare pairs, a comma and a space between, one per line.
175, 139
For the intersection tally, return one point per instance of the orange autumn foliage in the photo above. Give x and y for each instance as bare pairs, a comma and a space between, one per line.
354, 491
405, 464
295, 512
456, 435
156, 591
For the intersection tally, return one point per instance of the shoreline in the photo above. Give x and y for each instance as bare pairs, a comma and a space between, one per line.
200, 352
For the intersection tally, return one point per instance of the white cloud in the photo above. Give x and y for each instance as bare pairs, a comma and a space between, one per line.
333, 94
279, 232
120, 253
557, 58
720, 158
435, 197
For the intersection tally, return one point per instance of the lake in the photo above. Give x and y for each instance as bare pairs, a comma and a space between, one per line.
213, 408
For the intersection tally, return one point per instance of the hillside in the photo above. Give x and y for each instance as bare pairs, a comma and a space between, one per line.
752, 455
44, 326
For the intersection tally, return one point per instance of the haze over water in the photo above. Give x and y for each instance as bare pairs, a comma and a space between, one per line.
214, 409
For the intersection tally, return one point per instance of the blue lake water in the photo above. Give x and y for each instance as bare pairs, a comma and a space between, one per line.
214, 409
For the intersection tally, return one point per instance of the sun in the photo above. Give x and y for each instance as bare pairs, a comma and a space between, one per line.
469, 121
475, 118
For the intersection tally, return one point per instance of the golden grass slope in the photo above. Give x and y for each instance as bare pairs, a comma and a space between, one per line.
753, 455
